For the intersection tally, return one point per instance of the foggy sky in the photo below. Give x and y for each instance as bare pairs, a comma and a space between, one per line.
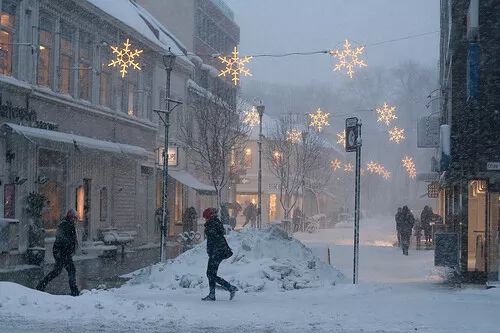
277, 26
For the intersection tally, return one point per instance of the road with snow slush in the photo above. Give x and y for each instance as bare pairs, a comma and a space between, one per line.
396, 293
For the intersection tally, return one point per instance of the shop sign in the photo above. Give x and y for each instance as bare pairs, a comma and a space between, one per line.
428, 132
172, 156
493, 166
9, 111
433, 190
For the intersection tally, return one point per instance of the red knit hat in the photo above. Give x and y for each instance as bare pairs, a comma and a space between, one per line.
209, 213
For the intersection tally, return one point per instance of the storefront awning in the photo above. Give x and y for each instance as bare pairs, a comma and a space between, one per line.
189, 180
77, 141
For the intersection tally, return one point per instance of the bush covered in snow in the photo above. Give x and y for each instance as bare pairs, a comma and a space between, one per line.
263, 259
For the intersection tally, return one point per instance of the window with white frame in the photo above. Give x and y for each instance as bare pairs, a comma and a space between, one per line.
85, 66
45, 49
7, 29
66, 58
105, 78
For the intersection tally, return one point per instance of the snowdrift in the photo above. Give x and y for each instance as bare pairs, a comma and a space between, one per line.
262, 259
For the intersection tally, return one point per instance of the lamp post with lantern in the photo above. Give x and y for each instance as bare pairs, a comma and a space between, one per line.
164, 115
260, 110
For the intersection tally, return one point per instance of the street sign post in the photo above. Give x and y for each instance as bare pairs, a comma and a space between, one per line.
353, 144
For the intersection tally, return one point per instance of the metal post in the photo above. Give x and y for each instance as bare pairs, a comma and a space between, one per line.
260, 109
356, 209
164, 222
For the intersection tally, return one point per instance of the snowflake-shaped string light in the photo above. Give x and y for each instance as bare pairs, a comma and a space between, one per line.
335, 165
319, 120
235, 66
125, 58
379, 169
251, 117
293, 135
348, 58
409, 165
397, 134
371, 166
386, 175
386, 114
348, 168
341, 138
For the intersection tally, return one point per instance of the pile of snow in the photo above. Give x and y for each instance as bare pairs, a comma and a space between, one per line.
262, 260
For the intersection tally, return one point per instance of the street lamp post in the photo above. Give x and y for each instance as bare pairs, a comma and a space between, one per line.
164, 115
305, 134
260, 110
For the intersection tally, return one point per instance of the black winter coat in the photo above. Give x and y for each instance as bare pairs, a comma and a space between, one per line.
217, 246
65, 244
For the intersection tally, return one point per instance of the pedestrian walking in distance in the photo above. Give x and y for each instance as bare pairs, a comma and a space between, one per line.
63, 250
408, 221
398, 225
218, 250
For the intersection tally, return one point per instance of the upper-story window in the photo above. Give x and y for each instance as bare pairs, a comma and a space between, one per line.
148, 95
129, 94
7, 28
247, 159
85, 66
105, 78
46, 46
66, 58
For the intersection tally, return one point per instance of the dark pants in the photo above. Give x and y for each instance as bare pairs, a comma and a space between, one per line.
405, 240
65, 262
213, 267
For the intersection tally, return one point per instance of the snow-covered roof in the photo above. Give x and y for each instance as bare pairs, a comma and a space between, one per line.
77, 140
139, 19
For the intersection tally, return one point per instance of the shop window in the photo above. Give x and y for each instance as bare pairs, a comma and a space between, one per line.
7, 26
85, 66
247, 158
477, 226
103, 204
52, 168
272, 207
80, 202
105, 87
46, 41
9, 201
66, 58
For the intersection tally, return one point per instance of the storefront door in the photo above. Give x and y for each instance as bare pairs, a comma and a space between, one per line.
493, 236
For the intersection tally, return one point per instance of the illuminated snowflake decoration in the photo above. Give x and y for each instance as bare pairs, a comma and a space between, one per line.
386, 114
379, 169
319, 120
409, 165
293, 136
386, 175
251, 117
348, 58
235, 66
335, 165
371, 167
348, 168
341, 138
125, 58
397, 134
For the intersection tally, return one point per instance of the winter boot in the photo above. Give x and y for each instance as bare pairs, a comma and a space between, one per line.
232, 291
210, 296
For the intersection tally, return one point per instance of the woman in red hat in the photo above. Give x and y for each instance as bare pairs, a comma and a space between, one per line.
218, 250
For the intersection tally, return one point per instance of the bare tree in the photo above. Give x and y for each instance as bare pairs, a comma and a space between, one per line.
211, 131
319, 176
289, 161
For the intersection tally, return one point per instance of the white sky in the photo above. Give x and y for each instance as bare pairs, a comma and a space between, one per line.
277, 26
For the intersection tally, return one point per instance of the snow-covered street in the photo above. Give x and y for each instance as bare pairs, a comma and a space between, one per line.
395, 294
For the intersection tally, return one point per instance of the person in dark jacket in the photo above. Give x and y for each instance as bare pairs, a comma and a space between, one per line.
398, 225
250, 213
63, 250
426, 219
218, 250
407, 222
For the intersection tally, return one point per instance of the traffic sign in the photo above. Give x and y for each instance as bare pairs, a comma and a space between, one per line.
351, 134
